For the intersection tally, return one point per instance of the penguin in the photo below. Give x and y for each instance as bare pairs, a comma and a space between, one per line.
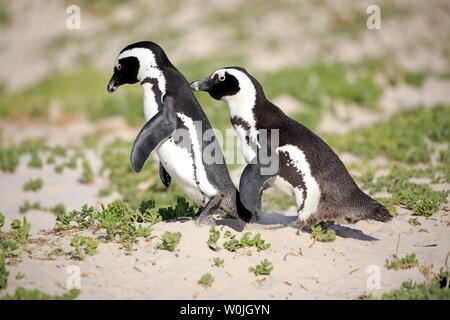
308, 169
175, 130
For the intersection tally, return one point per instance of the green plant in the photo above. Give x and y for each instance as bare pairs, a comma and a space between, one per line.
35, 294
20, 276
392, 138
33, 185
214, 236
206, 280
2, 221
148, 213
57, 251
8, 246
318, 235
414, 222
246, 241
104, 192
58, 209
263, 269
35, 161
120, 222
82, 246
257, 241
4, 274
9, 159
87, 174
436, 289
169, 241
20, 230
232, 245
27, 206
409, 261
218, 262
181, 209
82, 219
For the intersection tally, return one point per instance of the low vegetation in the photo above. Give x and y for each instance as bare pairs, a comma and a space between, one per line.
218, 262
35, 294
82, 247
169, 241
262, 269
33, 185
234, 244
318, 235
435, 289
206, 280
407, 262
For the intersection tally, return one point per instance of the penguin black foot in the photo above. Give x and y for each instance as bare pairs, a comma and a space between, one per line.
205, 214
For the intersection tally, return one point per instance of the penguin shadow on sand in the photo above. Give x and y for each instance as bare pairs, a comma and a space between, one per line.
277, 220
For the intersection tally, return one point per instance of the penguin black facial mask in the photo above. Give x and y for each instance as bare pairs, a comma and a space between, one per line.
125, 71
218, 85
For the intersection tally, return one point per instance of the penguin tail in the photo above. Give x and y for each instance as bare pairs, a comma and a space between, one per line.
372, 209
380, 213
363, 207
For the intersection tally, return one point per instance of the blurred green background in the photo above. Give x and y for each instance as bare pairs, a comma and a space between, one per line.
317, 60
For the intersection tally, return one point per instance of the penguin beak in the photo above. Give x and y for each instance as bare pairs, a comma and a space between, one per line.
203, 84
113, 84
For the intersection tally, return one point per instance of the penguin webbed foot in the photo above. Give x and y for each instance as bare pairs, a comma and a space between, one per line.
204, 216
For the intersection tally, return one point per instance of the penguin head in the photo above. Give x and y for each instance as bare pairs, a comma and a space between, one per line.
137, 61
228, 84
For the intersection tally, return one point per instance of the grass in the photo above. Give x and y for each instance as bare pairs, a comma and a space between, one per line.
169, 241
206, 280
35, 294
318, 235
33, 102
264, 268
401, 138
33, 185
407, 262
82, 247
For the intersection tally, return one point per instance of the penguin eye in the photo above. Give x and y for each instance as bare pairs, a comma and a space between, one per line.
118, 67
222, 77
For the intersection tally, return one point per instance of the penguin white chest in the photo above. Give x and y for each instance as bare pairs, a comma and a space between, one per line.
305, 188
185, 165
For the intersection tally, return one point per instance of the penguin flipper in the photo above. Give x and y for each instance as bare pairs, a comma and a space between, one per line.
164, 175
251, 184
155, 131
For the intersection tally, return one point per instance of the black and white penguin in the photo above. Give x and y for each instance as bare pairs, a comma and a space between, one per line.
308, 169
176, 128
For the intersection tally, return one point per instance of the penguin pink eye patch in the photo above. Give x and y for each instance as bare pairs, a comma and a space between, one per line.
220, 74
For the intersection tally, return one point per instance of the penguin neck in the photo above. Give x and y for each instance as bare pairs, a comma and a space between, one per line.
154, 87
242, 105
